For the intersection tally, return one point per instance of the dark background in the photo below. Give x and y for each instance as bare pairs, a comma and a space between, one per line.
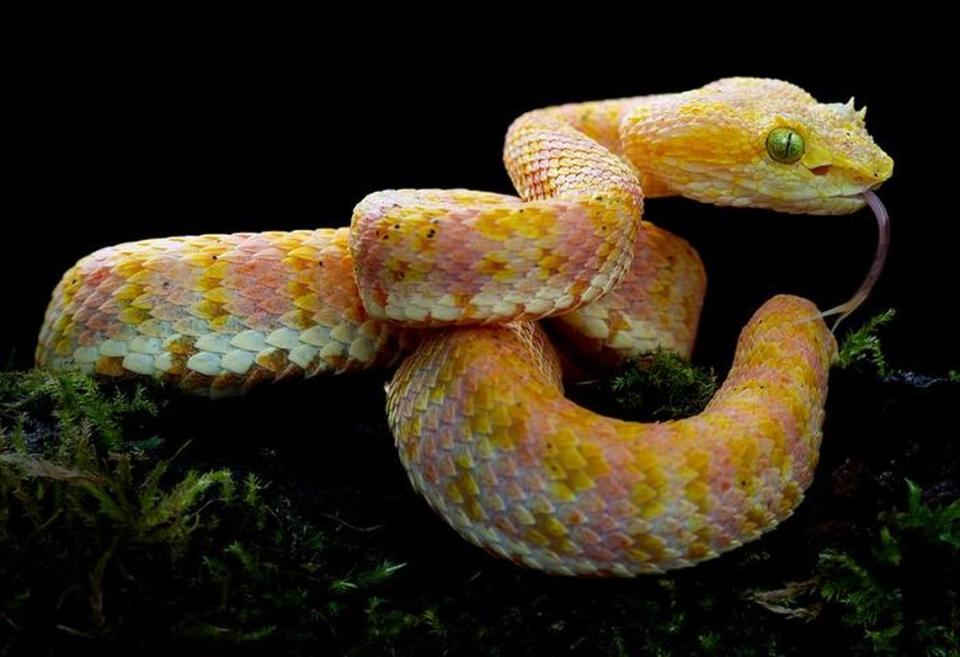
124, 138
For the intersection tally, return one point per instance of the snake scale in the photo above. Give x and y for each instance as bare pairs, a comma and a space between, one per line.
450, 285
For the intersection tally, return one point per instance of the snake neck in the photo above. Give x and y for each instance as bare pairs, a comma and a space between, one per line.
602, 121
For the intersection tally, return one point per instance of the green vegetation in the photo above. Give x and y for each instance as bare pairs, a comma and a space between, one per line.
666, 387
661, 387
118, 534
101, 540
862, 349
873, 589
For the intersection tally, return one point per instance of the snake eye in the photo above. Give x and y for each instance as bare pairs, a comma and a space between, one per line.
785, 145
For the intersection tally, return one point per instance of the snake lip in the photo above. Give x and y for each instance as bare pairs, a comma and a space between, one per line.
870, 187
858, 195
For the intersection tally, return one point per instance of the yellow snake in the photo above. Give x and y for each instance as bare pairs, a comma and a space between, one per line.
449, 283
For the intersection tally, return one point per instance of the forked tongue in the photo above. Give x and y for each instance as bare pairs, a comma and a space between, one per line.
879, 258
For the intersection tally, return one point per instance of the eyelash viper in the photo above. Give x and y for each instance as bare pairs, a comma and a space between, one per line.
449, 284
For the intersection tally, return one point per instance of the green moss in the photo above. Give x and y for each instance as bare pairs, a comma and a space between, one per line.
934, 525
869, 605
871, 588
75, 401
118, 535
862, 349
157, 553
874, 589
661, 387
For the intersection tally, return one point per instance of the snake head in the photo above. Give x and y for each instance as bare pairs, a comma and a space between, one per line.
755, 142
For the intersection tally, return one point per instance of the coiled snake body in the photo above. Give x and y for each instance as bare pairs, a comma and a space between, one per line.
449, 283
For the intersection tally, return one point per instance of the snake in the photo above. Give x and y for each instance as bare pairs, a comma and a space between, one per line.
486, 304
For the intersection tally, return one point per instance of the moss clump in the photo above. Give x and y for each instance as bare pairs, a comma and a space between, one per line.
881, 591
663, 386
884, 594
862, 349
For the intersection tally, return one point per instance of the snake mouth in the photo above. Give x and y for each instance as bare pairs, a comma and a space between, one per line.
859, 194
859, 190
879, 258
846, 201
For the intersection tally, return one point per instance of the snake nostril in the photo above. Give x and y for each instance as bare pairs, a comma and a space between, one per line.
821, 170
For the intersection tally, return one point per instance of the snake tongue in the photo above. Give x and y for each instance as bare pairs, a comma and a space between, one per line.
879, 258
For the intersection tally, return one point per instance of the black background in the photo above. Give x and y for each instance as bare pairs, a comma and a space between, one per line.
126, 137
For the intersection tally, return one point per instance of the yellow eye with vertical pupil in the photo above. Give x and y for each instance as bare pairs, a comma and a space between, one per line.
785, 145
